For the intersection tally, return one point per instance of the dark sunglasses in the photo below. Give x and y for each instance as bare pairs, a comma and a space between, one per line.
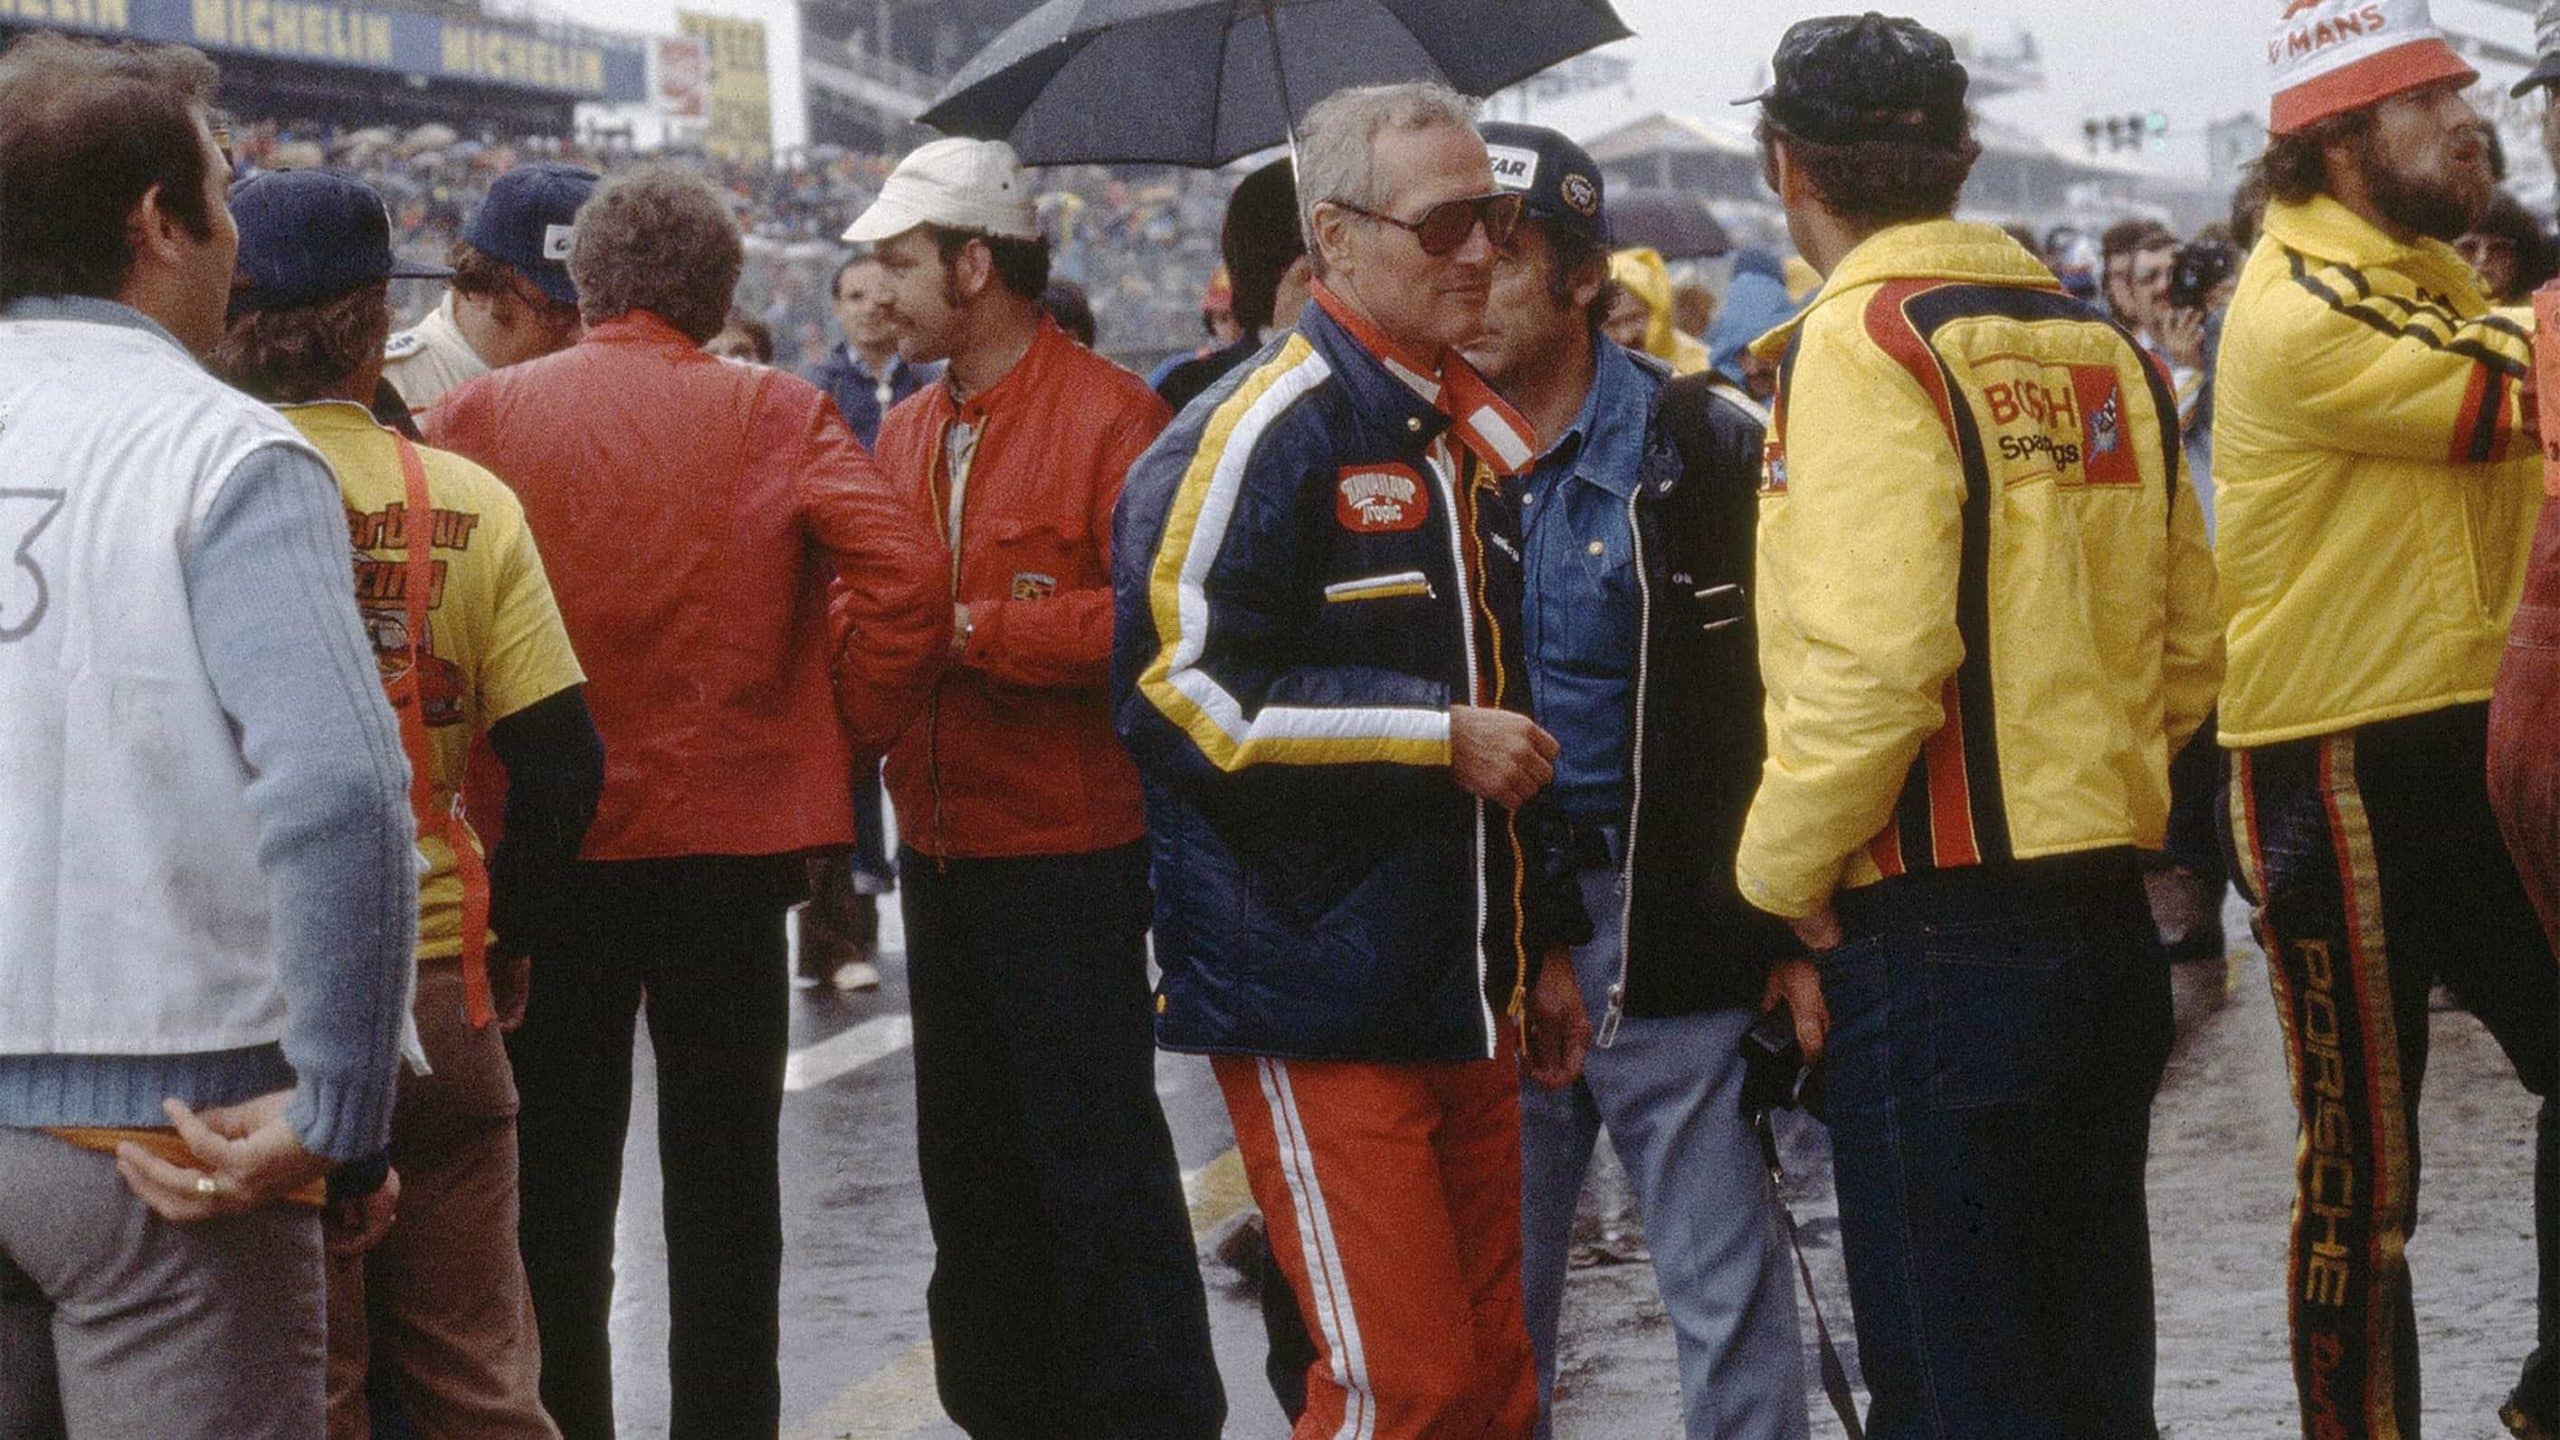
1445, 226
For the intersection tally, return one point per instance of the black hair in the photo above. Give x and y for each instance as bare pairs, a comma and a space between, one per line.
1875, 183
1022, 266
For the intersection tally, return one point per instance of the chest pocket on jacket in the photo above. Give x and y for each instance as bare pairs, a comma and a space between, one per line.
1035, 556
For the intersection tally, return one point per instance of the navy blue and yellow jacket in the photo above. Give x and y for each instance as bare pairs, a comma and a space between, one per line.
1987, 613
1311, 566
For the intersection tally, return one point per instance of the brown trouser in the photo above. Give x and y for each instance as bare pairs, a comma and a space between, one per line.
441, 1303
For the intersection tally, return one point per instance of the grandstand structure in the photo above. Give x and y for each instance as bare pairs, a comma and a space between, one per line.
370, 62
871, 66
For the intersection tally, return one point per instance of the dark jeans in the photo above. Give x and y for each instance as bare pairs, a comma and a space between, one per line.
2377, 871
698, 943
870, 832
1066, 1300
1996, 1038
2195, 801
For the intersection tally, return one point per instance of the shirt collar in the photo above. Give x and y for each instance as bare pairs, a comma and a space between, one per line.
332, 415
853, 362
89, 310
1604, 443
1480, 419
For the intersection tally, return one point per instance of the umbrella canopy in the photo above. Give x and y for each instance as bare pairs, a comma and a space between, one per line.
1678, 226
1192, 82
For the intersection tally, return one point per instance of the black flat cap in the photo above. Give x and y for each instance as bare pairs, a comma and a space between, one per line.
1841, 79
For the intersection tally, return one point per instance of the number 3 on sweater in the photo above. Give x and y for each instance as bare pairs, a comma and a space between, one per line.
23, 602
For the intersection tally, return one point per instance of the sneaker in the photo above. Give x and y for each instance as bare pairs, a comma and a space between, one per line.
856, 975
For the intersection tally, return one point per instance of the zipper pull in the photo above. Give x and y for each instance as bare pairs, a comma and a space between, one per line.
1610, 1017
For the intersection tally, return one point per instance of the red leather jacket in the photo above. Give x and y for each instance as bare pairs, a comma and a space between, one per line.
1009, 749
689, 512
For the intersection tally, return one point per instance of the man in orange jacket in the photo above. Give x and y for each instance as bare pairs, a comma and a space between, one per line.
688, 511
1065, 1298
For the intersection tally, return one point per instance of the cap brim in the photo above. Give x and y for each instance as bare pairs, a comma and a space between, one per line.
885, 220
2369, 81
2545, 73
1763, 98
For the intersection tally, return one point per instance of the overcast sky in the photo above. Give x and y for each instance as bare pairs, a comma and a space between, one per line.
2197, 60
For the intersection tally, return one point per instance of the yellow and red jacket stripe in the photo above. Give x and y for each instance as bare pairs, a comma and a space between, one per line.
1986, 609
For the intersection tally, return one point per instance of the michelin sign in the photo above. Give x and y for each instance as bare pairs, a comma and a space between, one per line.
398, 41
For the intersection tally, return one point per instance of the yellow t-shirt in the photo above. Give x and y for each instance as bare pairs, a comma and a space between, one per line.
494, 642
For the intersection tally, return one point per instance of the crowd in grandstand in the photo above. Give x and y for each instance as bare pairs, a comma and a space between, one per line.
1142, 243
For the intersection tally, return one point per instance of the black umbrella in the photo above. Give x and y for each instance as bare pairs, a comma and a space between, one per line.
1194, 82
1676, 224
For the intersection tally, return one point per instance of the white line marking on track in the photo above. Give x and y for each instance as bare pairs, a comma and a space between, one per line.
841, 1054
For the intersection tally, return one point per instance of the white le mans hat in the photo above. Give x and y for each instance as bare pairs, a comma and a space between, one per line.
2331, 56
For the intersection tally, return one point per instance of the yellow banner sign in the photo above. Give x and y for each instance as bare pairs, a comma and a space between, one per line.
741, 90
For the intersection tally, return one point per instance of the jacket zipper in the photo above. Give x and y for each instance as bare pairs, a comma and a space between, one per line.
1610, 1019
1467, 644
1518, 1008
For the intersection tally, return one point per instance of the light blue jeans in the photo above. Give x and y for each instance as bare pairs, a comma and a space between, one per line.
1667, 1093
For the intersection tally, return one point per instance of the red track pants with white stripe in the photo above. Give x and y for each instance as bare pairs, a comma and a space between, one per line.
2376, 869
1392, 1195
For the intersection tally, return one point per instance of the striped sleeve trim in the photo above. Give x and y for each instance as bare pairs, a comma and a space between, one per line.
2491, 340
2501, 350
1195, 529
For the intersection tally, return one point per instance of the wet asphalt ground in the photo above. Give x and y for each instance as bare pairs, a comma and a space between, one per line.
855, 1365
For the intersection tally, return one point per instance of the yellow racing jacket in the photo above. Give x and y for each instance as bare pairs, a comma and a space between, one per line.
2375, 498
1986, 609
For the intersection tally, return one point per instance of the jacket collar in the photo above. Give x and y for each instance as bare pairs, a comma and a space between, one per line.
91, 311
1604, 446
843, 359
2327, 232
640, 327
1951, 251
1029, 377
1413, 400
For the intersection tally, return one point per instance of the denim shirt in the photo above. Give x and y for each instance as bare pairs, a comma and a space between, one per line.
1582, 610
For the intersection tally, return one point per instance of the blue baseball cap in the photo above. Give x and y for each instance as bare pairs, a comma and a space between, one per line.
529, 219
312, 235
1556, 178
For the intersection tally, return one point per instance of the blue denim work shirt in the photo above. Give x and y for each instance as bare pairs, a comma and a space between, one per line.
1581, 610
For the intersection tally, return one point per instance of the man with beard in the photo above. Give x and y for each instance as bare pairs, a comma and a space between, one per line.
2373, 449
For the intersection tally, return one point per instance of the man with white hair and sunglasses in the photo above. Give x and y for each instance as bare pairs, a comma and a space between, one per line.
1318, 672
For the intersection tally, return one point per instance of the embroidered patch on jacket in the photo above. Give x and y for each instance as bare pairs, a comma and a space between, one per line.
1380, 499
2109, 459
1030, 585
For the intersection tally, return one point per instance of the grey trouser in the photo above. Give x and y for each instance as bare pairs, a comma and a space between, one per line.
115, 1322
1668, 1094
